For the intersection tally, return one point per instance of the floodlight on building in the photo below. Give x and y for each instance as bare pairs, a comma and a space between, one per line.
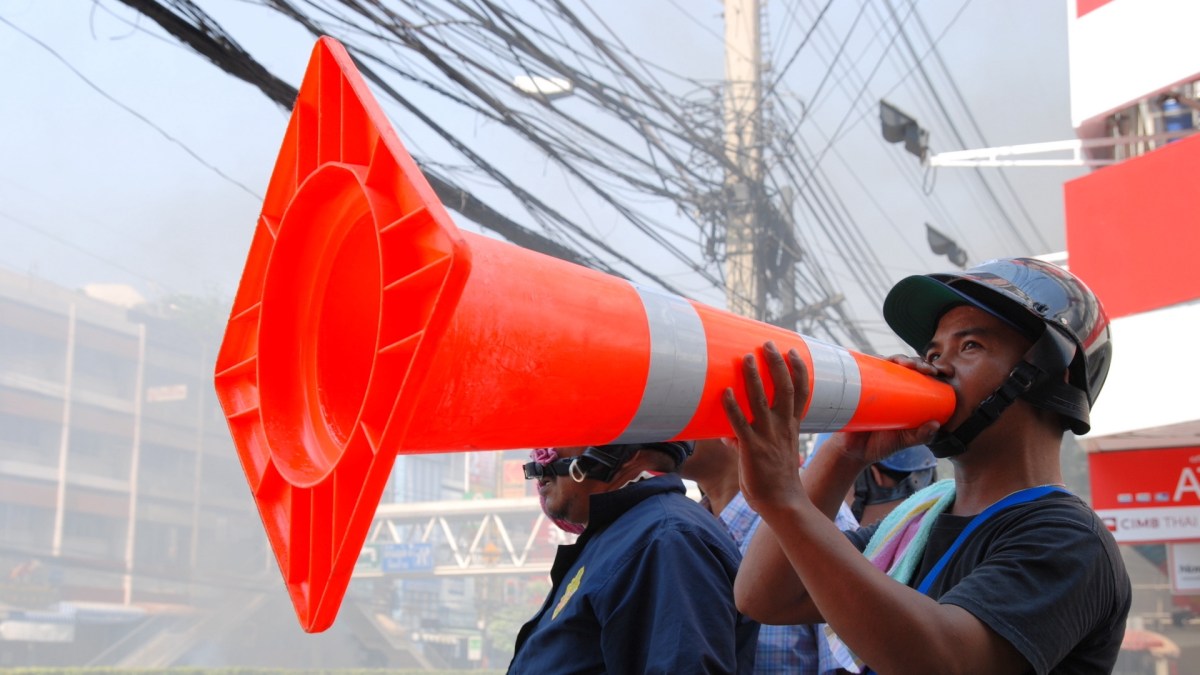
940, 244
899, 126
547, 88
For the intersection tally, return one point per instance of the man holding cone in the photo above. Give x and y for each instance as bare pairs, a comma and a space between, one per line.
1000, 570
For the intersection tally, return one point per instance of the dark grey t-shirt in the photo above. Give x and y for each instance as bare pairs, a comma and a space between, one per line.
1045, 575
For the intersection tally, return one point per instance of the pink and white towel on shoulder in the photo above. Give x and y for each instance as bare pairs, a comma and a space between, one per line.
897, 547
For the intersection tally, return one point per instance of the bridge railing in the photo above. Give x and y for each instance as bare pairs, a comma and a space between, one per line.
467, 537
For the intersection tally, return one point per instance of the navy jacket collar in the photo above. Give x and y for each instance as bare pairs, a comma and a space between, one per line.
605, 507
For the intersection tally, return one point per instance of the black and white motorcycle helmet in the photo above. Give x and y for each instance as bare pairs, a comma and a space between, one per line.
1046, 303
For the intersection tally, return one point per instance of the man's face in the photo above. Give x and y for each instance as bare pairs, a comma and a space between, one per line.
565, 498
974, 353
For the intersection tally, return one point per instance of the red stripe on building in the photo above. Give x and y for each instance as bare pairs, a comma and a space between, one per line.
1084, 6
1160, 477
1133, 229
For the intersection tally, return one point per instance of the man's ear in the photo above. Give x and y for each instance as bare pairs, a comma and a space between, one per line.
653, 460
637, 463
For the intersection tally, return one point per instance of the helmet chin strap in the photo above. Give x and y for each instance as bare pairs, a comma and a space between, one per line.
1050, 354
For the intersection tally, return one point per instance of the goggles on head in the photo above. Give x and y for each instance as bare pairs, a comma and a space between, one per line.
557, 467
546, 462
598, 462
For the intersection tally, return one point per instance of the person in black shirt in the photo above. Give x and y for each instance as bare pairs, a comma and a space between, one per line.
998, 570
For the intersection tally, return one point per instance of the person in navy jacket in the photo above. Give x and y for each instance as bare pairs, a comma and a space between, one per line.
648, 585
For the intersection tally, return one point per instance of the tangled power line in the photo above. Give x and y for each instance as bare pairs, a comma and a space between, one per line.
636, 138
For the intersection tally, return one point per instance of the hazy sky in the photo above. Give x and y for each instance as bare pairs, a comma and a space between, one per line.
153, 173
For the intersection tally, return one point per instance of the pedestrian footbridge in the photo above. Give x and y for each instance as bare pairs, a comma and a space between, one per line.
461, 537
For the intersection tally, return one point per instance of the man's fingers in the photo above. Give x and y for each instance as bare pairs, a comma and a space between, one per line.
919, 436
925, 432
799, 383
734, 412
918, 364
755, 392
781, 378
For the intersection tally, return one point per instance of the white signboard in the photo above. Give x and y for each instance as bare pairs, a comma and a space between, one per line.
1140, 526
1184, 561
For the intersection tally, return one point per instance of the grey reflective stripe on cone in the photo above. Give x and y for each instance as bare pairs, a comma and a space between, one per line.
678, 368
836, 387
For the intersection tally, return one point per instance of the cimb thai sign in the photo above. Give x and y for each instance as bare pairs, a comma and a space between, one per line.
1147, 496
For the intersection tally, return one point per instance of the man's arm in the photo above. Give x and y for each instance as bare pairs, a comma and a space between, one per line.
892, 627
767, 587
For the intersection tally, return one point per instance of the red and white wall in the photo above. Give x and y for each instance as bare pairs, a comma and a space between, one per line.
1133, 235
1122, 51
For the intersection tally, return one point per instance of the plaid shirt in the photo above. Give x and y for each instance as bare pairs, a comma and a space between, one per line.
800, 649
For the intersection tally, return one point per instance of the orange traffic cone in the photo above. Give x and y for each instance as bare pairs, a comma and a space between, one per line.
366, 325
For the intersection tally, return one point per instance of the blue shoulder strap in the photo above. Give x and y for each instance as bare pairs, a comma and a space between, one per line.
1019, 497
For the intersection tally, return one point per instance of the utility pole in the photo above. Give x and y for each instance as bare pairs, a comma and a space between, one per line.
745, 291
788, 257
761, 248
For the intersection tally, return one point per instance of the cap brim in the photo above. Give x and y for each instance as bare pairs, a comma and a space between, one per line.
915, 305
